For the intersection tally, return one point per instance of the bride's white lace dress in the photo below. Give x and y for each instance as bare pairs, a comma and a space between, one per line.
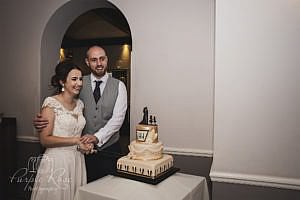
62, 169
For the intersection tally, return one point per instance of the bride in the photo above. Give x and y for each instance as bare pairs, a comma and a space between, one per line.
62, 168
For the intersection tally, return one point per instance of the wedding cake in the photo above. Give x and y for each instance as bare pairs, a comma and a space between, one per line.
145, 157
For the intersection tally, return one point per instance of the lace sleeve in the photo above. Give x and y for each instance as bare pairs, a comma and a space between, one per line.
52, 103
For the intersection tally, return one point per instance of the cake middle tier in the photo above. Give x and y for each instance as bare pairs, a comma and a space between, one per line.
142, 151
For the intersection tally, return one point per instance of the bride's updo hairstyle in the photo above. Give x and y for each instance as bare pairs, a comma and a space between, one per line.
62, 70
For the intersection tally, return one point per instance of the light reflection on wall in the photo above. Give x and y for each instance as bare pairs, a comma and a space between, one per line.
124, 59
65, 54
125, 52
62, 55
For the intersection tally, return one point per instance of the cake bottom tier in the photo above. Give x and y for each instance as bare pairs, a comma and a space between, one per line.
149, 168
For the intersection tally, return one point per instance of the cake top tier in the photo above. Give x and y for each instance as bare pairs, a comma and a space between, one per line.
147, 133
146, 130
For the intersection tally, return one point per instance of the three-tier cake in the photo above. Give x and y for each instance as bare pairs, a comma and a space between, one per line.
146, 157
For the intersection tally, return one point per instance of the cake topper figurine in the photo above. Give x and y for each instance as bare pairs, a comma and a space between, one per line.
150, 120
145, 116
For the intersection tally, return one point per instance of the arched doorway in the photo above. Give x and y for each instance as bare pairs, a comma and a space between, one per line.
77, 25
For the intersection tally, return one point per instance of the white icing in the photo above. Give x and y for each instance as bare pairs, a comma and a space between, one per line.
142, 151
150, 168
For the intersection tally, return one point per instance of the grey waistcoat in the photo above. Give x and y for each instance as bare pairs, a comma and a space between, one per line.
97, 115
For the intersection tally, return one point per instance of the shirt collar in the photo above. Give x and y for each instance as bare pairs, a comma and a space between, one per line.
103, 78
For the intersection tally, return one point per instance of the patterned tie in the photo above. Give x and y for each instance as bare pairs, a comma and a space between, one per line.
97, 93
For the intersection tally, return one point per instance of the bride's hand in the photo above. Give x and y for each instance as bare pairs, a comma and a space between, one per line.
86, 148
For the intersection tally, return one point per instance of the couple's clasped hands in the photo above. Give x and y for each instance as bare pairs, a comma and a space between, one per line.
86, 144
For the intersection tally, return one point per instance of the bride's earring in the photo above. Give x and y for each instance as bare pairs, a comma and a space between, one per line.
63, 89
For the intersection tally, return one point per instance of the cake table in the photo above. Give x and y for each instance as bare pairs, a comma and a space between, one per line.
176, 187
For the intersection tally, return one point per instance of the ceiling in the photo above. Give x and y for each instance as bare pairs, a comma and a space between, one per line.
103, 26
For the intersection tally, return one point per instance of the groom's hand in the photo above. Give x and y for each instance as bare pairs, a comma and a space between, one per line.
87, 138
39, 122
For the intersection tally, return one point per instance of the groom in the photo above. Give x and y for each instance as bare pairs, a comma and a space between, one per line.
105, 105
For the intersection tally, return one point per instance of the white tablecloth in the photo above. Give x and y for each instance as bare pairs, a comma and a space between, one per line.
178, 186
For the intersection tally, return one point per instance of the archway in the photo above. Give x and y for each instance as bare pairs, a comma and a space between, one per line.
53, 37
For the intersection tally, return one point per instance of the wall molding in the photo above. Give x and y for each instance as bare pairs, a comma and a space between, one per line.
31, 139
169, 150
188, 152
256, 180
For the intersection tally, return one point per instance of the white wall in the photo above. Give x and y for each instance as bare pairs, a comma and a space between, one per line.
172, 63
257, 93
21, 31
172, 69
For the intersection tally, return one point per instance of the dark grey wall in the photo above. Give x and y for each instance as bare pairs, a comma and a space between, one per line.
8, 132
227, 191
